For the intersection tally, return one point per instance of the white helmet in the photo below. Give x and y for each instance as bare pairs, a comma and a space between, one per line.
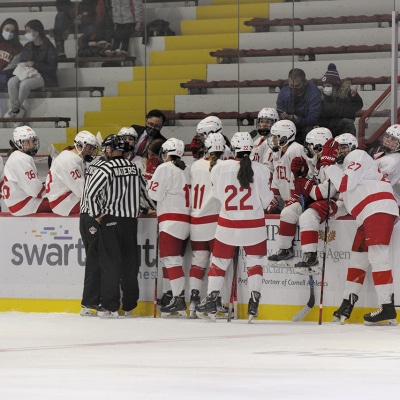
22, 133
316, 139
343, 140
84, 138
393, 132
173, 147
209, 125
128, 131
285, 131
214, 142
266, 113
241, 142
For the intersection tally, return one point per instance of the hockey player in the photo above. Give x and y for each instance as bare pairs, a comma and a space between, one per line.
314, 193
170, 187
130, 136
290, 159
369, 198
203, 218
240, 185
23, 192
65, 178
206, 126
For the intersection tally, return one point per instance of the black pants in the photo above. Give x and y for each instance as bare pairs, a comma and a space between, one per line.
119, 263
121, 36
90, 230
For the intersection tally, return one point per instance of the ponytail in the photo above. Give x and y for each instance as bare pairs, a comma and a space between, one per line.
214, 157
245, 174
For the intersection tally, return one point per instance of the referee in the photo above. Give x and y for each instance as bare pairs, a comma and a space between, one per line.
114, 195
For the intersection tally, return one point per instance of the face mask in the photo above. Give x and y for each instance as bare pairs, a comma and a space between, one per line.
328, 91
151, 131
29, 37
8, 35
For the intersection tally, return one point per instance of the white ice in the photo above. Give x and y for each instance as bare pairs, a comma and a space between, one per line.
65, 356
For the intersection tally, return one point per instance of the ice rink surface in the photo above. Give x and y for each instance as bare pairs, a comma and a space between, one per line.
65, 356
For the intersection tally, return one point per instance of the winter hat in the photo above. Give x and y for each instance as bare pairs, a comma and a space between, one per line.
37, 26
331, 76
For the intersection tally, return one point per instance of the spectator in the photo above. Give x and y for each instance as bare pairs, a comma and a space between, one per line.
128, 18
170, 188
340, 103
299, 102
65, 179
40, 56
10, 49
114, 195
155, 120
23, 192
240, 186
63, 24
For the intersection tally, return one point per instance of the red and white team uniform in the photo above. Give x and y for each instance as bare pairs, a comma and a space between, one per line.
389, 165
203, 220
64, 183
369, 198
1, 177
241, 222
23, 192
170, 187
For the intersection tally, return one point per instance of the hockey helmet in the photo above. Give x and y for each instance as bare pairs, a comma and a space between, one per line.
347, 143
130, 135
391, 139
315, 140
241, 142
173, 147
214, 142
209, 125
285, 132
115, 142
266, 114
23, 133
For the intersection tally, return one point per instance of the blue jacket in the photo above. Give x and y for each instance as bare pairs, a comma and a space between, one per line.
307, 107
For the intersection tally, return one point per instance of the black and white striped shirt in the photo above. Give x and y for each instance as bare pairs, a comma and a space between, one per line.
117, 188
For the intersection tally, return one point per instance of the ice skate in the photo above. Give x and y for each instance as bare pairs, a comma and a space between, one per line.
282, 258
194, 301
165, 299
345, 309
175, 308
88, 312
107, 314
252, 309
309, 264
207, 309
386, 315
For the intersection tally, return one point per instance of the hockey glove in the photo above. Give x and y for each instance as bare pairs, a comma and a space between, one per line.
329, 152
273, 207
299, 167
322, 208
295, 198
303, 186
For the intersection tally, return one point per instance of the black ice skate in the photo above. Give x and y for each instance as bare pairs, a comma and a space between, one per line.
194, 301
281, 258
175, 308
386, 315
207, 309
252, 309
309, 264
345, 309
165, 299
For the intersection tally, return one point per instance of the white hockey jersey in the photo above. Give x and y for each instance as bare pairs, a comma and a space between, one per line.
389, 165
205, 207
65, 181
170, 187
362, 187
241, 221
22, 190
282, 180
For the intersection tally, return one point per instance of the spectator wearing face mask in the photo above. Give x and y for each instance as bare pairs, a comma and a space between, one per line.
340, 103
300, 102
155, 120
40, 55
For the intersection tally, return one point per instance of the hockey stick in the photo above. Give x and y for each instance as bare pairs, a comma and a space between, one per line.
233, 294
324, 256
156, 278
311, 301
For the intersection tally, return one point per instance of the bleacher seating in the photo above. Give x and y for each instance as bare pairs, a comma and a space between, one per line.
94, 91
197, 86
227, 56
56, 120
265, 24
31, 5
